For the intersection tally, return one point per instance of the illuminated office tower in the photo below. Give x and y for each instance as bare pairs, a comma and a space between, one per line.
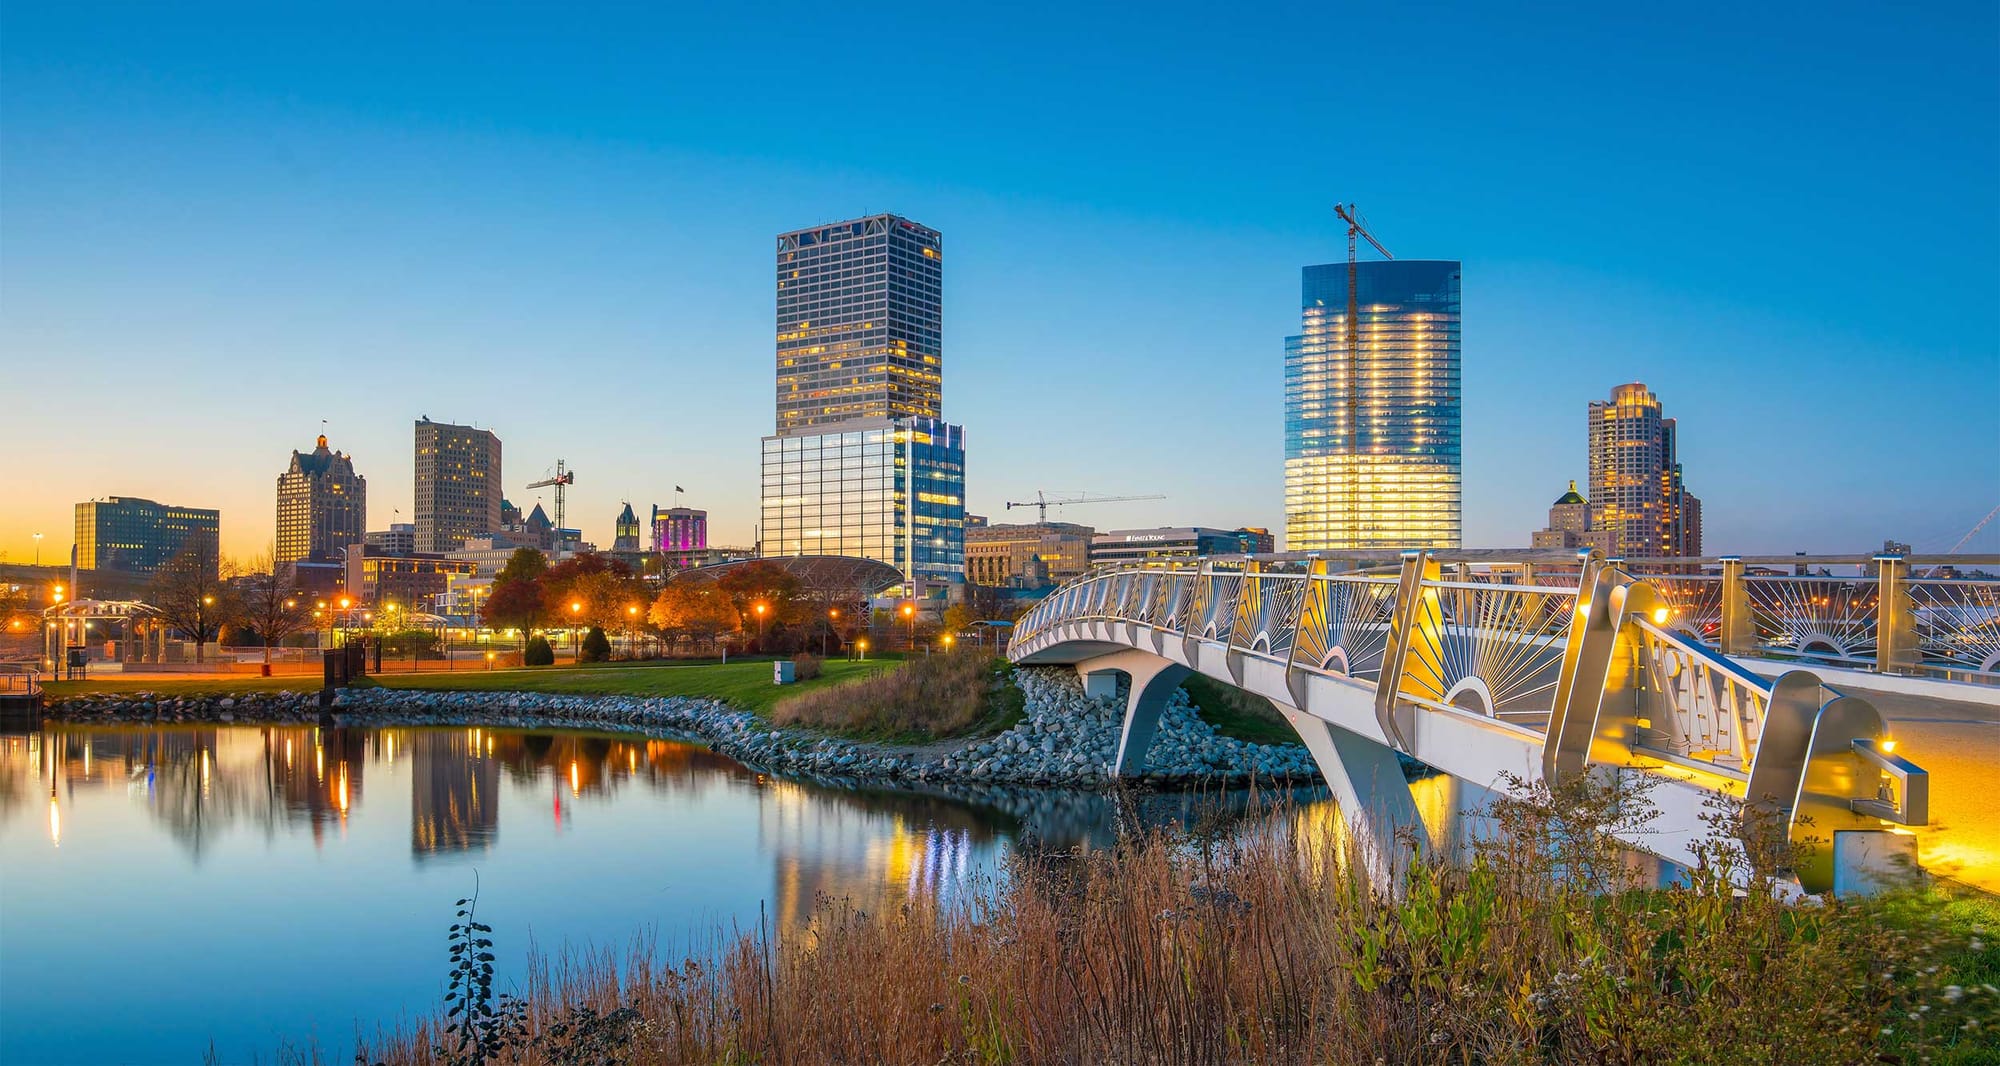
859, 323
862, 463
1636, 492
458, 485
322, 506
1372, 432
135, 536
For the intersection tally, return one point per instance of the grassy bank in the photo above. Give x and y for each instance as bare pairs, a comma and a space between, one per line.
1236, 713
746, 684
1261, 950
931, 697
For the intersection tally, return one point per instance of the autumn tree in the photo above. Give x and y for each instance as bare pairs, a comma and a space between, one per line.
697, 613
189, 597
517, 598
761, 581
271, 603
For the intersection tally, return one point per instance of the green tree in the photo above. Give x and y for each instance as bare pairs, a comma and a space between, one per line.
538, 652
596, 646
517, 599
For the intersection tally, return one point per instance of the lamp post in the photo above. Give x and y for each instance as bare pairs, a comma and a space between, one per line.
863, 645
38, 549
346, 619
760, 627
632, 630
832, 618
575, 643
910, 616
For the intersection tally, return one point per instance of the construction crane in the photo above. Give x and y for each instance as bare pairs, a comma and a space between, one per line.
1042, 503
1350, 370
561, 482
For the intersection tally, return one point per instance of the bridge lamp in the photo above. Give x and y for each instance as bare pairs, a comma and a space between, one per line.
1888, 746
345, 603
1660, 616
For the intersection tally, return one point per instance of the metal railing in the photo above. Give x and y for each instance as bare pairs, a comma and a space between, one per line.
20, 679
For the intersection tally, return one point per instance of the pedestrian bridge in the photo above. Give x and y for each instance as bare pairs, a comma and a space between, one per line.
1502, 665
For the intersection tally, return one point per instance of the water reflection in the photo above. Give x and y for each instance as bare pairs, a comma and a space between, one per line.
231, 845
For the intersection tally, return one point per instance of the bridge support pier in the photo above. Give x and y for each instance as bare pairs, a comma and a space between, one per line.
1372, 793
1153, 682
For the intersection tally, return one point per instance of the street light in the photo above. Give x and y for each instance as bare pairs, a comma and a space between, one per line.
760, 627
863, 645
575, 644
632, 630
832, 617
910, 616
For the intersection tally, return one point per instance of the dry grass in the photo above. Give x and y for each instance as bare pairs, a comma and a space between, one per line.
1258, 950
928, 697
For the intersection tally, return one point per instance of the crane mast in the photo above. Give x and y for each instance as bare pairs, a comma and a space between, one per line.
1350, 372
561, 482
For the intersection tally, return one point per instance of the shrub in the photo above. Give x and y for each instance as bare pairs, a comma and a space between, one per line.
538, 652
596, 648
805, 666
930, 696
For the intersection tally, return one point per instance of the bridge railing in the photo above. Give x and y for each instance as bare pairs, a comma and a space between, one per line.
1492, 645
1892, 617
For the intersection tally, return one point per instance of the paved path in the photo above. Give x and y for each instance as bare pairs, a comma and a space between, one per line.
1959, 744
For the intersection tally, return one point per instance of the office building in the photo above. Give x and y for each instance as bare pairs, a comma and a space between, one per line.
322, 505
680, 536
888, 491
411, 580
1636, 490
1372, 421
458, 484
1026, 555
140, 537
399, 539
862, 463
1570, 525
859, 323
1176, 542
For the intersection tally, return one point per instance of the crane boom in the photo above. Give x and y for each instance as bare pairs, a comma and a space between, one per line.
1350, 378
563, 480
1042, 503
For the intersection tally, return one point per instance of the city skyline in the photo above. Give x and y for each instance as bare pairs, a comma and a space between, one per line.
502, 258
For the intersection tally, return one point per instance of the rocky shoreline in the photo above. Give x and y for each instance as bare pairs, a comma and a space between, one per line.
1065, 740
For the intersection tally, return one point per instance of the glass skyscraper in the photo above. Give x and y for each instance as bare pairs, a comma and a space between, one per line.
862, 463
1372, 422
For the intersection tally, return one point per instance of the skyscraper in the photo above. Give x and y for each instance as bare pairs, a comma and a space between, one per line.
322, 506
458, 485
859, 323
1636, 491
135, 536
862, 463
1372, 427
680, 534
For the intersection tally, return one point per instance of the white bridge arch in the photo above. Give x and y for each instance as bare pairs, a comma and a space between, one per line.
1484, 674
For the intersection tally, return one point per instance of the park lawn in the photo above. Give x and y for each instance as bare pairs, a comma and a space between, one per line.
742, 684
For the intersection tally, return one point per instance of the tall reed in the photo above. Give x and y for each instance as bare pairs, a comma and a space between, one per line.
1263, 946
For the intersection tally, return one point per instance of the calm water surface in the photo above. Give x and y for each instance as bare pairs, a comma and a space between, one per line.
162, 888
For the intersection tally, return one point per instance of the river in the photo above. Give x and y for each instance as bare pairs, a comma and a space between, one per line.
162, 888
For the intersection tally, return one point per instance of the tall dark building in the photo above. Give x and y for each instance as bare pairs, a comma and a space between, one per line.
862, 463
626, 537
859, 323
322, 506
135, 536
458, 485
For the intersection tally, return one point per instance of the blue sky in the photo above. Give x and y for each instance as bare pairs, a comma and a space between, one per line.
222, 224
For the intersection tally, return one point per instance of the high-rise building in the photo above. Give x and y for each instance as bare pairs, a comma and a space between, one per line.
862, 463
458, 484
322, 506
1636, 491
859, 323
1372, 421
135, 536
399, 539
